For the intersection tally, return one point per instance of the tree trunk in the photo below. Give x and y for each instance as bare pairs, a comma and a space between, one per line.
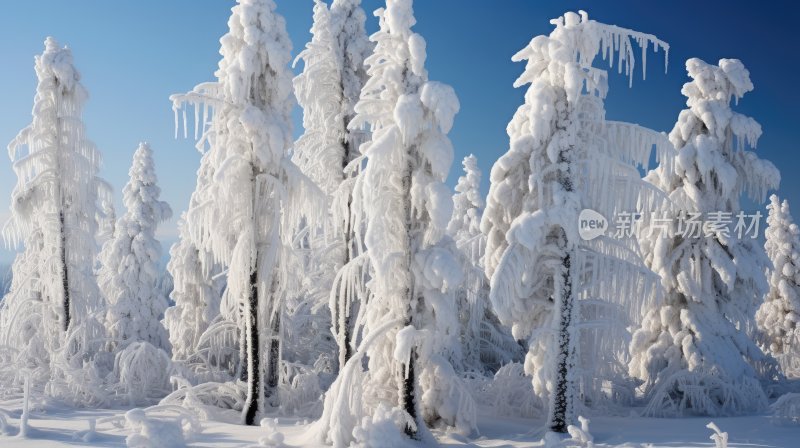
342, 313
408, 383
66, 303
274, 362
252, 352
65, 272
252, 338
563, 396
408, 394
344, 303
562, 404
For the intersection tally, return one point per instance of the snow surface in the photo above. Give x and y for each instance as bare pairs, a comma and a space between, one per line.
62, 427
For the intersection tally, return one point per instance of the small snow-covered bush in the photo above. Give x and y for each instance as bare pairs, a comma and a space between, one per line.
581, 436
300, 390
699, 393
142, 371
79, 367
157, 426
786, 410
383, 429
273, 438
508, 393
207, 400
446, 399
151, 433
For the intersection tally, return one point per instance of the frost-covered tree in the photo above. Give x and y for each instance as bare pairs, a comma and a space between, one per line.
409, 319
196, 296
468, 204
55, 212
243, 217
486, 344
563, 157
130, 276
328, 89
200, 341
778, 317
694, 351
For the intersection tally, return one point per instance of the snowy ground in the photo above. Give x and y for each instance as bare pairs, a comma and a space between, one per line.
59, 428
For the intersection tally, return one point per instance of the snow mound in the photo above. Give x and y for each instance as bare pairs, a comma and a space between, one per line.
383, 429
786, 410
157, 427
273, 438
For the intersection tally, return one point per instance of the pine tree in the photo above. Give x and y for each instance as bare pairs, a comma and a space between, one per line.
779, 315
198, 282
564, 156
486, 344
468, 204
328, 89
55, 213
409, 318
196, 296
693, 351
247, 214
130, 276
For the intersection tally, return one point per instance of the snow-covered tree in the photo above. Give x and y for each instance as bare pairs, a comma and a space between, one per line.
468, 204
196, 296
564, 156
55, 212
328, 89
694, 351
200, 339
486, 344
778, 317
130, 276
409, 321
246, 215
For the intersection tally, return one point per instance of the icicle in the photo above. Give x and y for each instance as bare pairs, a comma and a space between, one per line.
185, 124
177, 126
196, 107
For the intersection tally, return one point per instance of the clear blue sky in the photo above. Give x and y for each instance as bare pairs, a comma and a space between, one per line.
134, 53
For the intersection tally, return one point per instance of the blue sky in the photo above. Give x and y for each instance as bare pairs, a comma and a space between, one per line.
134, 53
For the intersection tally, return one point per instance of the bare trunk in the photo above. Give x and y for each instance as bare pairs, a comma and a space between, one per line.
65, 272
408, 395
252, 352
562, 404
563, 399
408, 383
252, 336
66, 304
344, 303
